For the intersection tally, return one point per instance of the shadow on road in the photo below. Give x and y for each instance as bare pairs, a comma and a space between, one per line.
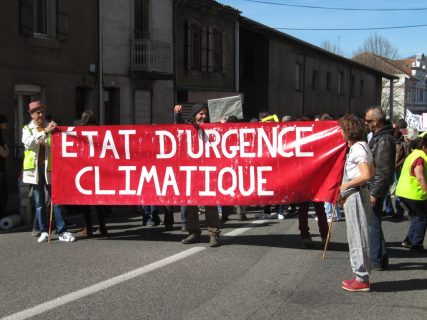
401, 285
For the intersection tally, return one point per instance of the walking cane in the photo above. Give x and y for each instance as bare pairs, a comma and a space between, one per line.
328, 238
50, 222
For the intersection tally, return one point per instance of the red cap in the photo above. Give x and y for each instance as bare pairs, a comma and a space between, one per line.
35, 105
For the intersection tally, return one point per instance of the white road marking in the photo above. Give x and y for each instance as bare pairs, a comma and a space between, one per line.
52, 304
239, 231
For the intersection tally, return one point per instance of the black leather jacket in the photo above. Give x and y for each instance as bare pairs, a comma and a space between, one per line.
384, 151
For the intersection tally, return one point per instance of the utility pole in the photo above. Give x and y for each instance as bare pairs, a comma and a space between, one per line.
100, 69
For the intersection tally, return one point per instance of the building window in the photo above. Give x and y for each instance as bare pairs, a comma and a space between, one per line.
298, 77
194, 46
314, 80
217, 50
45, 19
40, 17
328, 81
141, 18
361, 89
340, 82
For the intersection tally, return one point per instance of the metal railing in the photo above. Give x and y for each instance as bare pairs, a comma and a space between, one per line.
416, 94
151, 56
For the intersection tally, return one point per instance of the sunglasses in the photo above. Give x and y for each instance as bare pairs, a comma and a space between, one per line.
38, 112
369, 120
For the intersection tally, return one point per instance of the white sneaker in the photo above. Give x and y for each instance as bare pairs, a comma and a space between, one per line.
280, 216
274, 216
43, 237
66, 237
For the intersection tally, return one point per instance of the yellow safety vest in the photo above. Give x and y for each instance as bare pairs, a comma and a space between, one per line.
408, 186
30, 155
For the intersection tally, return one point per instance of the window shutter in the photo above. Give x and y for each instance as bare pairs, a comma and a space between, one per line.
62, 18
26, 17
189, 47
224, 53
210, 49
146, 19
204, 39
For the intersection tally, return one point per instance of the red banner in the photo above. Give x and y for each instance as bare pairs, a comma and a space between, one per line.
227, 164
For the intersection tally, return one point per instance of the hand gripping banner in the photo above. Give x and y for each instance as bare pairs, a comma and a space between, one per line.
226, 164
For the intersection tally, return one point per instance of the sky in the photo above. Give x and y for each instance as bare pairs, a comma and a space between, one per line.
408, 42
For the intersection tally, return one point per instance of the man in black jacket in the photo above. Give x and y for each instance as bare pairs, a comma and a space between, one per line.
384, 152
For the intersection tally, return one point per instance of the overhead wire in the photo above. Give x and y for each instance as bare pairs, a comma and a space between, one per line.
342, 9
351, 29
335, 8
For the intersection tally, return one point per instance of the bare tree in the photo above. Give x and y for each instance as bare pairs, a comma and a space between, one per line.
331, 47
378, 45
378, 52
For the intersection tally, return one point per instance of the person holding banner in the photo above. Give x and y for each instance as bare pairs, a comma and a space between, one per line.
88, 118
358, 170
36, 137
319, 208
199, 115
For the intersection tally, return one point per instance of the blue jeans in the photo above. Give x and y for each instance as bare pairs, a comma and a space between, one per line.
329, 208
184, 215
151, 213
417, 230
378, 251
418, 226
40, 204
388, 206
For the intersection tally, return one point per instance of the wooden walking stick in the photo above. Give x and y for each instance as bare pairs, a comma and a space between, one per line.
50, 222
328, 238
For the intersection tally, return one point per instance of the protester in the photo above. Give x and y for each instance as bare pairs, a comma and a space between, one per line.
410, 137
402, 151
226, 211
286, 118
168, 219
36, 137
384, 152
358, 169
151, 216
199, 114
285, 210
307, 241
412, 189
88, 118
4, 153
332, 212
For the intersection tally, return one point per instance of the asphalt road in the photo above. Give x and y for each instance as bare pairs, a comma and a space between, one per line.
259, 272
